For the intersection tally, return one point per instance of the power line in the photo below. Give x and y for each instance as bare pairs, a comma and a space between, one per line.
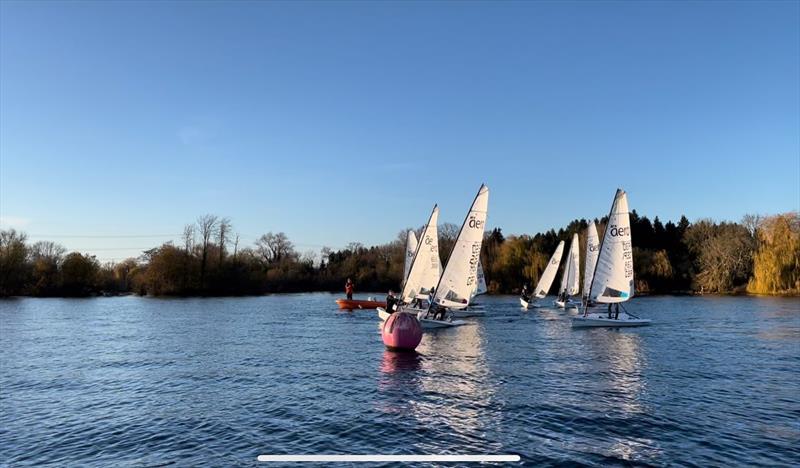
113, 236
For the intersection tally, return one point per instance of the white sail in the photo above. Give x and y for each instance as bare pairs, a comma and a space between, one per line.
411, 250
592, 249
573, 278
480, 287
569, 280
549, 273
613, 275
425, 266
460, 275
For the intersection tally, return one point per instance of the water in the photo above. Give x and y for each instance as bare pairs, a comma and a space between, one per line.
144, 382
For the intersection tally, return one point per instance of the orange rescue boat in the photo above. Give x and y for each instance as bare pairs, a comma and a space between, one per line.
354, 304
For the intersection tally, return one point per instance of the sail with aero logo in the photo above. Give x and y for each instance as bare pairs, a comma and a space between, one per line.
592, 250
460, 275
424, 271
613, 276
612, 282
549, 273
411, 250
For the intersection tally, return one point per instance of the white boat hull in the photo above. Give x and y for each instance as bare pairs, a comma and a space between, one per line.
382, 314
568, 304
429, 324
602, 320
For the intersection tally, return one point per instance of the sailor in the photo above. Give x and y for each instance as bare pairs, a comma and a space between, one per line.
438, 311
431, 295
525, 292
391, 301
616, 311
348, 289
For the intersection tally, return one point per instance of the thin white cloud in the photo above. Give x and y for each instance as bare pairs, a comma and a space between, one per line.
13, 222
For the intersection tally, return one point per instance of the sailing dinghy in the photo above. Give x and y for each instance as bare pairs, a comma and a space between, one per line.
423, 269
546, 280
460, 275
570, 280
592, 250
612, 282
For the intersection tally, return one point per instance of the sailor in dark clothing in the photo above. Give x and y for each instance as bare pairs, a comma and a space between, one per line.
438, 312
525, 295
391, 302
616, 311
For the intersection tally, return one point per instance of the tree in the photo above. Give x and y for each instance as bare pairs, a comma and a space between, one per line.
207, 225
776, 267
448, 232
223, 229
188, 238
13, 266
723, 255
79, 274
46, 258
274, 247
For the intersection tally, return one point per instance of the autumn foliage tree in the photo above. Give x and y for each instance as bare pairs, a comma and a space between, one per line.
776, 266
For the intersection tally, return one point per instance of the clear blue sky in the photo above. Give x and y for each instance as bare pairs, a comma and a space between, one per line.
339, 122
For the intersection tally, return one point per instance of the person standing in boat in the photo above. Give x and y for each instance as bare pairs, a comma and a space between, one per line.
525, 295
391, 302
616, 311
348, 289
431, 295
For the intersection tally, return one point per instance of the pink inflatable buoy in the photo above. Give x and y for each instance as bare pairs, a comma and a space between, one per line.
401, 331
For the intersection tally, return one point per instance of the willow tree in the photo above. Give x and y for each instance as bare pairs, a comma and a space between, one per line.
776, 266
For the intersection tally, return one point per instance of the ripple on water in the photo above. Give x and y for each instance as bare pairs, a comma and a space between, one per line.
148, 382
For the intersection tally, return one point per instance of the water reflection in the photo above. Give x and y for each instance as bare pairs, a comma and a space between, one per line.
400, 361
617, 356
456, 385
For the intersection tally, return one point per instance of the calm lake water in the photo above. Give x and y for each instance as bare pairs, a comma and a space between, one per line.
144, 382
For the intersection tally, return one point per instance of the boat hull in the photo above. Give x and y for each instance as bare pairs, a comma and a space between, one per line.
463, 313
602, 320
568, 304
355, 304
383, 315
428, 324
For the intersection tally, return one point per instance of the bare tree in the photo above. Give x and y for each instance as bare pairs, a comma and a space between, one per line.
751, 222
49, 251
223, 229
235, 246
188, 238
448, 232
274, 247
207, 225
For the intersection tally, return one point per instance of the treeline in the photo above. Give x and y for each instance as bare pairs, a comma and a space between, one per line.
759, 255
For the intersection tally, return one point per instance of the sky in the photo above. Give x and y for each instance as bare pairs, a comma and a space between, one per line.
337, 122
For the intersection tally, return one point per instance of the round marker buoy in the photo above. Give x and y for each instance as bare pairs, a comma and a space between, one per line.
401, 331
